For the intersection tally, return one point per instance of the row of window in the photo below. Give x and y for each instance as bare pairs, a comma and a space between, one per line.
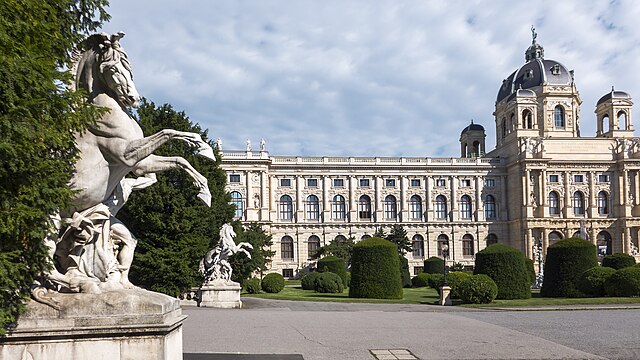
366, 183
527, 120
578, 203
579, 178
603, 240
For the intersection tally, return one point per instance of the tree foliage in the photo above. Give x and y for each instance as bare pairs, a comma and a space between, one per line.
38, 115
398, 236
261, 254
173, 227
338, 248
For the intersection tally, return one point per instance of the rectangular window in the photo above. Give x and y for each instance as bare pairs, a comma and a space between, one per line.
234, 178
415, 182
364, 183
441, 183
465, 183
417, 270
338, 183
578, 178
288, 273
490, 183
312, 182
390, 182
603, 178
554, 178
285, 182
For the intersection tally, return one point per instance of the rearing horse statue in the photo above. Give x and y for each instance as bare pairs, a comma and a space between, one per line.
91, 250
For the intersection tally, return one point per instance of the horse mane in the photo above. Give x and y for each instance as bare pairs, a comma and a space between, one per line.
82, 59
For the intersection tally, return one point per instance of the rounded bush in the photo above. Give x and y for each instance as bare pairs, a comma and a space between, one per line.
348, 277
624, 282
328, 282
273, 283
528, 263
252, 286
404, 271
433, 265
506, 267
375, 270
478, 289
420, 280
591, 282
454, 279
335, 265
566, 261
618, 261
308, 281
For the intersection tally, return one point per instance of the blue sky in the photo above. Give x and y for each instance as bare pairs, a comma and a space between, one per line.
365, 78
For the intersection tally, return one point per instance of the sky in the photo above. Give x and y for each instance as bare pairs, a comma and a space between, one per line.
365, 78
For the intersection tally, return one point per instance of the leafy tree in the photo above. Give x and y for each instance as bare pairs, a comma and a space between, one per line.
261, 254
398, 236
338, 248
37, 116
380, 233
174, 229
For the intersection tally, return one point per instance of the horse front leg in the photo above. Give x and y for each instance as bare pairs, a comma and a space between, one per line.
154, 163
139, 149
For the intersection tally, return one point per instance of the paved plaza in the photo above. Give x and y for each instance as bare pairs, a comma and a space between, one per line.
316, 330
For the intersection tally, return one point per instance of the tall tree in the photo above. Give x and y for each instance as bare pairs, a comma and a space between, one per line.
398, 236
379, 233
338, 248
174, 229
261, 254
37, 116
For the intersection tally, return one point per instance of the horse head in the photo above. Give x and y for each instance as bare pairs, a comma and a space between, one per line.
227, 233
102, 66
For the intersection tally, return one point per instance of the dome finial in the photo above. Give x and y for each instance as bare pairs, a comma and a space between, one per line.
535, 51
534, 35
471, 121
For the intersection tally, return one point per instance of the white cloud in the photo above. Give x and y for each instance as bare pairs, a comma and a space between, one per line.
364, 78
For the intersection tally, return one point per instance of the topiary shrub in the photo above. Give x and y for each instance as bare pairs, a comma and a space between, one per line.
433, 265
404, 271
436, 281
591, 282
528, 263
477, 289
624, 282
328, 282
308, 281
506, 267
454, 279
618, 261
252, 286
273, 283
375, 270
348, 277
420, 280
566, 261
335, 265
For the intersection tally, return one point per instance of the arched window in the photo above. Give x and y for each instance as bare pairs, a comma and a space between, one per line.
554, 203
492, 239
605, 123
286, 208
390, 208
465, 207
622, 120
467, 245
364, 207
489, 207
554, 237
340, 238
578, 203
313, 244
603, 203
443, 240
312, 208
512, 122
558, 116
527, 119
417, 244
441, 207
365, 237
476, 149
338, 208
236, 200
286, 248
604, 243
504, 127
415, 207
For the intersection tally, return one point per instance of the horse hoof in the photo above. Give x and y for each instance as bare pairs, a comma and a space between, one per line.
206, 151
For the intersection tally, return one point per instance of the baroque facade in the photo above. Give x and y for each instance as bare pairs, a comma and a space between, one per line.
541, 183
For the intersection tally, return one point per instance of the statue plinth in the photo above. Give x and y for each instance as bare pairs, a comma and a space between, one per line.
222, 294
119, 324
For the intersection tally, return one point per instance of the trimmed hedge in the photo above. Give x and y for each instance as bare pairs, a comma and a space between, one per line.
252, 286
454, 279
420, 280
335, 265
591, 282
566, 261
433, 265
404, 271
528, 263
624, 282
478, 289
506, 267
436, 281
618, 261
308, 281
328, 282
273, 283
375, 270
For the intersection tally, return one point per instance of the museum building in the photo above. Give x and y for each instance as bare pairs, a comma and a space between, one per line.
542, 182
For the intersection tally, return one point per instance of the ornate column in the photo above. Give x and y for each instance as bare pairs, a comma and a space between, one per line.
503, 212
353, 207
593, 208
403, 199
249, 208
545, 242
479, 206
454, 200
299, 200
326, 207
428, 184
567, 195
263, 194
273, 208
529, 244
378, 200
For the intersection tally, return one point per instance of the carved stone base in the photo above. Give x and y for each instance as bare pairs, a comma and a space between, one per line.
220, 294
445, 296
121, 324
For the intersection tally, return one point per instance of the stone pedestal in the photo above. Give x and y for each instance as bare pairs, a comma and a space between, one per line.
445, 296
220, 294
121, 324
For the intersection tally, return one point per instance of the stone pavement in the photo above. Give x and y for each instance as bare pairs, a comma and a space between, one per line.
324, 330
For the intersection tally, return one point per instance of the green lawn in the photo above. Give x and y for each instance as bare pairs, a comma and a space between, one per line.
430, 296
